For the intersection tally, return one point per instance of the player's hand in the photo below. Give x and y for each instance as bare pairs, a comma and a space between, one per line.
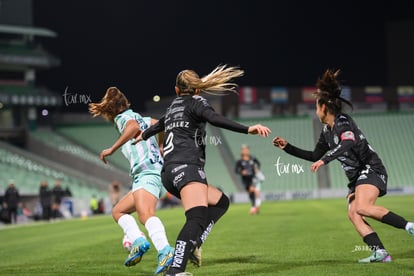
259, 130
138, 139
315, 166
105, 153
279, 142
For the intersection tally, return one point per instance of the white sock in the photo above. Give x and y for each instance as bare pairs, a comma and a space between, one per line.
258, 202
156, 232
408, 225
130, 227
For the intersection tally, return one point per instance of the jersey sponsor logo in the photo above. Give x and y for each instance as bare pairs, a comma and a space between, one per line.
177, 109
178, 178
332, 152
176, 169
177, 101
178, 116
348, 135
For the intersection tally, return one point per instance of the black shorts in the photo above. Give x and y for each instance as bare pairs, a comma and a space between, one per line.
373, 178
247, 182
175, 176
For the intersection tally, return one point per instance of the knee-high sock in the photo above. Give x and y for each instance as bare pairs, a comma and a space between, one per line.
156, 232
373, 241
252, 197
187, 239
130, 227
215, 212
394, 220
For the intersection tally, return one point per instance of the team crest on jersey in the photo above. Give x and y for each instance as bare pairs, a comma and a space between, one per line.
202, 173
336, 139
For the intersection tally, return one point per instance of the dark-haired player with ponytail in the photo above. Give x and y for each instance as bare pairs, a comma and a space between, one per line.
146, 162
341, 139
184, 156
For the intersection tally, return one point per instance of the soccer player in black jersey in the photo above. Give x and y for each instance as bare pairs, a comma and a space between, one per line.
341, 139
247, 166
184, 156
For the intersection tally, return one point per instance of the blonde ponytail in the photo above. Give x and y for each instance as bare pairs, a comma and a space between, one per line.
216, 83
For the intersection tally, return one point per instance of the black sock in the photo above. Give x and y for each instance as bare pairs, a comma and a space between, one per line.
215, 212
394, 220
187, 239
373, 241
252, 197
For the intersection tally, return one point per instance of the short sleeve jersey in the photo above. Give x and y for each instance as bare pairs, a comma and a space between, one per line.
143, 156
358, 157
185, 131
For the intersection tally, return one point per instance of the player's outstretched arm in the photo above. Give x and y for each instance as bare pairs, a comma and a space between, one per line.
279, 142
259, 130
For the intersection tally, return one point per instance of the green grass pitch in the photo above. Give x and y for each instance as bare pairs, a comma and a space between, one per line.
303, 237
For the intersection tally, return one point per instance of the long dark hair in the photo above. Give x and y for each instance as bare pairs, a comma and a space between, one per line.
113, 103
329, 92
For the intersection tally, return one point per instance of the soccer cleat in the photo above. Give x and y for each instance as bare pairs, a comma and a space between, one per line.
410, 229
165, 258
139, 247
195, 256
378, 256
254, 210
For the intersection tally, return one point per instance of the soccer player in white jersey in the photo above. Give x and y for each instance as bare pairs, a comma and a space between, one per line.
146, 162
